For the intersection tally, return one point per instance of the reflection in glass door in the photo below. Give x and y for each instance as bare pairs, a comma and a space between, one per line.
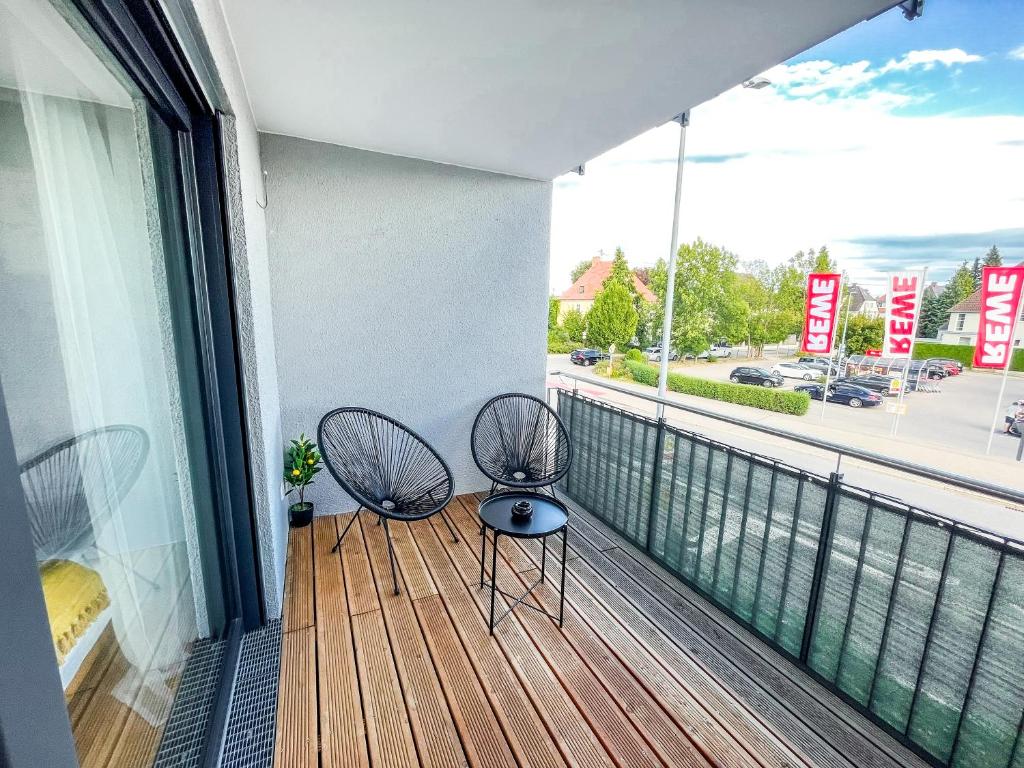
98, 384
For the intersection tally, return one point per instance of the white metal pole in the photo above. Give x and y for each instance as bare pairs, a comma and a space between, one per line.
828, 370
1006, 374
670, 289
910, 359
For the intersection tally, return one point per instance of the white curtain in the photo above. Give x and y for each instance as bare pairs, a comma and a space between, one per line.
86, 162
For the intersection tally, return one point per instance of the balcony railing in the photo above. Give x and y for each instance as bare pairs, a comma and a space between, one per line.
912, 618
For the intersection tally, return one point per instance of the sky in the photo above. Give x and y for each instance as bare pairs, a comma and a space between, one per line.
898, 144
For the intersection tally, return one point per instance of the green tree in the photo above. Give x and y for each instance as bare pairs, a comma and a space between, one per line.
960, 285
579, 269
621, 273
935, 311
553, 307
768, 322
703, 277
646, 315
993, 258
863, 333
823, 262
575, 325
613, 318
976, 273
648, 328
932, 317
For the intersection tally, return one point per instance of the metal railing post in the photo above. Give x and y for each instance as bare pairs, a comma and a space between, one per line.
659, 447
828, 524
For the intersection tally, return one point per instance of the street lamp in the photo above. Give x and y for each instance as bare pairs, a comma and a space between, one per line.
755, 83
670, 289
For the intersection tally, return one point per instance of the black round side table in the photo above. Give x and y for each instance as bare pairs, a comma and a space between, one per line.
549, 517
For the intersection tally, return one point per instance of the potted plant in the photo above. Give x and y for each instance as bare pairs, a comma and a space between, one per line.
301, 464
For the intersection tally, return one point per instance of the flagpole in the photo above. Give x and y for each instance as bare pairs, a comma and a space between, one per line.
670, 289
910, 358
835, 327
1006, 375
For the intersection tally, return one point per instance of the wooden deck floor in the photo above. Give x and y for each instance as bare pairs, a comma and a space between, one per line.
644, 672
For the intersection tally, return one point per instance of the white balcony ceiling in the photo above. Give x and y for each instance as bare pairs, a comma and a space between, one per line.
525, 87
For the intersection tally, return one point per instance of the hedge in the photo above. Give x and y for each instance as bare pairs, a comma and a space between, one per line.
766, 399
961, 352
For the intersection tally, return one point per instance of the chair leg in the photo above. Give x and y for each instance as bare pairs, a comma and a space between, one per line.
451, 529
391, 554
354, 516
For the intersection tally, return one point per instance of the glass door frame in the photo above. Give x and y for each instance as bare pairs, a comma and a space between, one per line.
34, 725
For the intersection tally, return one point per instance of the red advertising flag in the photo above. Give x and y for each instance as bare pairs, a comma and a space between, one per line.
902, 311
1000, 310
821, 313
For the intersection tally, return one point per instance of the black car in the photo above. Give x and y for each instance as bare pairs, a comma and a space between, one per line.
848, 394
587, 356
760, 376
873, 381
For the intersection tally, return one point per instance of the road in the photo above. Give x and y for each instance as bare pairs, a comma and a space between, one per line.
945, 430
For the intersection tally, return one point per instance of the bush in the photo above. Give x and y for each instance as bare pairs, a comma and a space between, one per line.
559, 343
961, 352
635, 355
776, 400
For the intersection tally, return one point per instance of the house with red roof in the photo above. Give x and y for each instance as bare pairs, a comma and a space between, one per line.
580, 295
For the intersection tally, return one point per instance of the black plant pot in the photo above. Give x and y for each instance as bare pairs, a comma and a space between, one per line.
301, 514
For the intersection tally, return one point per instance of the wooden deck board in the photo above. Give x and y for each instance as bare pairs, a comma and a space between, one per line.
388, 730
298, 589
342, 731
642, 674
296, 746
429, 716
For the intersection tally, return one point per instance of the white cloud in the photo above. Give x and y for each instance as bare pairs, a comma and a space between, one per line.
1017, 53
929, 59
809, 78
773, 174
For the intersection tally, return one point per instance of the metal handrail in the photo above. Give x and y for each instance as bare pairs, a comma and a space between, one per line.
920, 470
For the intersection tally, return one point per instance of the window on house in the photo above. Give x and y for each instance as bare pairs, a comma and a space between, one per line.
960, 321
965, 340
581, 289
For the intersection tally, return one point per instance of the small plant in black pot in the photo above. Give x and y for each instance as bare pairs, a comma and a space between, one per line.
301, 463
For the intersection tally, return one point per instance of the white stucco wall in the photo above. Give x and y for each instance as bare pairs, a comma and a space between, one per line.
413, 288
248, 244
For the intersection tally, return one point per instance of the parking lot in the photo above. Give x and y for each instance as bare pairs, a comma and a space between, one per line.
958, 416
947, 430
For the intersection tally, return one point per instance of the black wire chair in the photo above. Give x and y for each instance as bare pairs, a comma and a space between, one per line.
519, 442
59, 481
387, 468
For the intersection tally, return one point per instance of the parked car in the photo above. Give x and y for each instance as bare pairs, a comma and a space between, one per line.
876, 382
847, 394
751, 375
716, 350
795, 371
820, 364
954, 367
587, 356
654, 354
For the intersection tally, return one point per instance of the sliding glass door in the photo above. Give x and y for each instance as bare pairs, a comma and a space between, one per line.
100, 370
